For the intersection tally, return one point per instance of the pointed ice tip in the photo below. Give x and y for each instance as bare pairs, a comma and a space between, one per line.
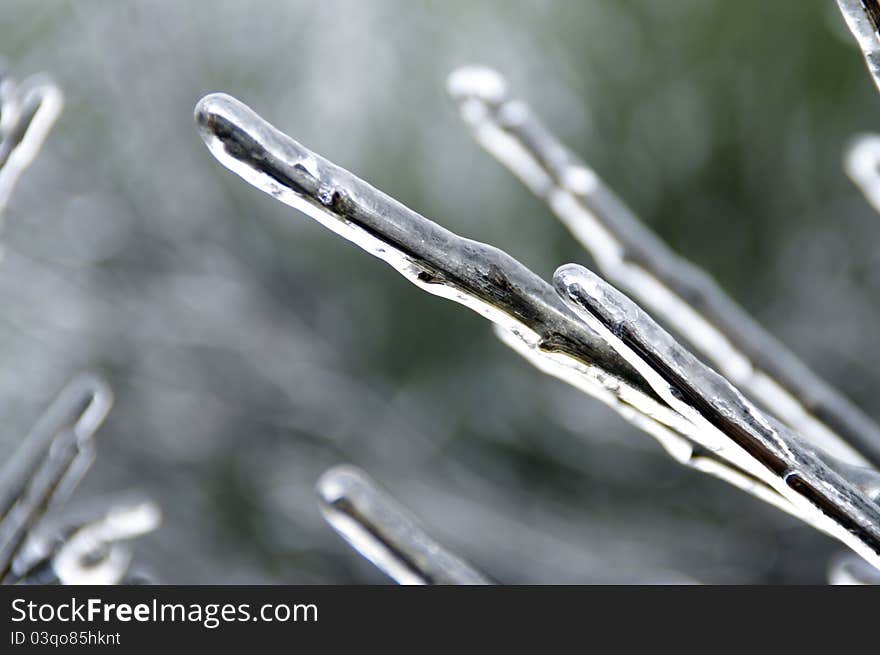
479, 82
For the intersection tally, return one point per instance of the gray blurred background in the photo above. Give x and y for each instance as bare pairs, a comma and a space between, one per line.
250, 349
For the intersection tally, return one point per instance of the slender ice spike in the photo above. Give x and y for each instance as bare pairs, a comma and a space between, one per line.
94, 552
476, 275
862, 165
385, 532
27, 113
863, 19
682, 296
731, 426
50, 462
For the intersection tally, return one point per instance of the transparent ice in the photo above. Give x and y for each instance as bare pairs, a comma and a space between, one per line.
385, 532
679, 294
723, 434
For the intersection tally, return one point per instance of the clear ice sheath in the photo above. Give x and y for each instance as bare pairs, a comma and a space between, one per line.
527, 311
384, 532
678, 293
745, 436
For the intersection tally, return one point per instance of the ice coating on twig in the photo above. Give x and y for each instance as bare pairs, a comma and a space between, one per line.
731, 426
27, 113
386, 533
50, 462
478, 276
862, 165
683, 449
863, 19
682, 296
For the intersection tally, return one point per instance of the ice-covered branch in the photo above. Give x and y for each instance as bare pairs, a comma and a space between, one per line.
94, 551
731, 426
529, 316
41, 475
50, 462
27, 113
863, 19
490, 282
386, 533
682, 296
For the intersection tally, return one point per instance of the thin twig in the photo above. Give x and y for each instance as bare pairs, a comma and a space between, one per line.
386, 533
684, 297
